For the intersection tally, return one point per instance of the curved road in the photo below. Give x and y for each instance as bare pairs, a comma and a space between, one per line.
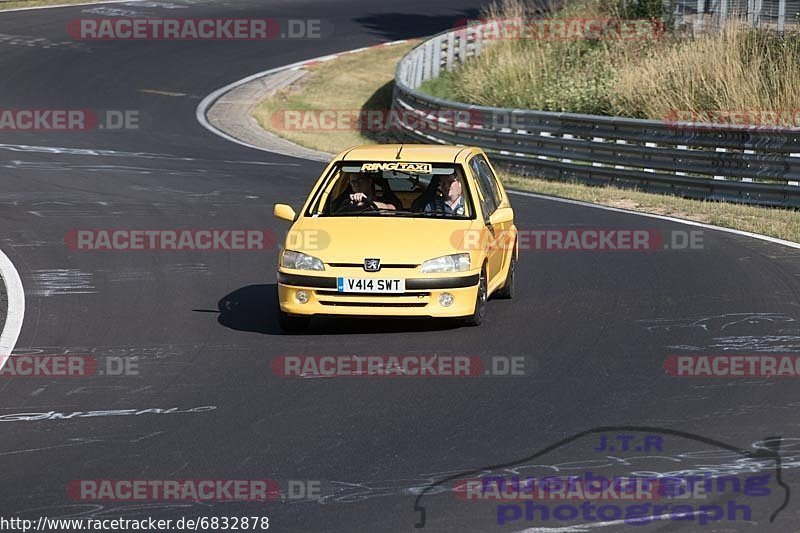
595, 328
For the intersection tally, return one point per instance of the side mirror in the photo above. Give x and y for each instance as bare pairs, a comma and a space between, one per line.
284, 212
502, 216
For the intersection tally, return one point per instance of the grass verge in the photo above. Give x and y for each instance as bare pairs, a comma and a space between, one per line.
37, 3
349, 84
364, 80
738, 69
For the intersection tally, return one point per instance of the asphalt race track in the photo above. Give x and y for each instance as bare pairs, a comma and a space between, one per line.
594, 328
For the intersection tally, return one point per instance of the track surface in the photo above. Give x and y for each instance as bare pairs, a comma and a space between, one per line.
204, 326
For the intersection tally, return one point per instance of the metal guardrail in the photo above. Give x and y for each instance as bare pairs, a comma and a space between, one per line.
732, 163
699, 16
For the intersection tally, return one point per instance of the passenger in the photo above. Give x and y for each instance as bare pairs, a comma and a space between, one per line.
451, 202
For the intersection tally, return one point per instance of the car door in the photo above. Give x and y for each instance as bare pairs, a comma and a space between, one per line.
503, 217
489, 203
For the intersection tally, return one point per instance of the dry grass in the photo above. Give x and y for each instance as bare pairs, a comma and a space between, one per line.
354, 80
36, 3
351, 82
737, 69
780, 223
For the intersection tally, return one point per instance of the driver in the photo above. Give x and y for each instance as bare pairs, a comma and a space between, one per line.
362, 193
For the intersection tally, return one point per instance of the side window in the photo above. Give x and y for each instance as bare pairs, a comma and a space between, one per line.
490, 199
486, 170
325, 193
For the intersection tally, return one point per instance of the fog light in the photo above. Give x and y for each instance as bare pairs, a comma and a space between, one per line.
302, 296
445, 299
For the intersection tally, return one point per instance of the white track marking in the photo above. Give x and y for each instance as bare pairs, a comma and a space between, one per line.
209, 100
774, 240
16, 307
593, 525
54, 6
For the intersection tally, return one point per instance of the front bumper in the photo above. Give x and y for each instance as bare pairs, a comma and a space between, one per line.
420, 299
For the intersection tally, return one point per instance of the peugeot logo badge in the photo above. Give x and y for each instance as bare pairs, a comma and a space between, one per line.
372, 265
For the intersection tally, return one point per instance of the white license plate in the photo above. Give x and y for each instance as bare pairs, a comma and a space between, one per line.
370, 285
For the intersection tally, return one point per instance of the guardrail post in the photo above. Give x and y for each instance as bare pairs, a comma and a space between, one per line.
544, 134
781, 15
748, 152
426, 72
723, 14
620, 141
437, 58
681, 147
418, 70
567, 136
597, 140
478, 41
699, 19
719, 149
451, 45
650, 145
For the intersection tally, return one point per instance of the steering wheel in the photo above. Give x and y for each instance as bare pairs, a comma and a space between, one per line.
362, 207
368, 205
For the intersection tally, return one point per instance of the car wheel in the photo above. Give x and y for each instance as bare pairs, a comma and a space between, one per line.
480, 303
506, 292
292, 323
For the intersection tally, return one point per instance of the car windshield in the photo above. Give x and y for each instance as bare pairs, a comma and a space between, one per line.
393, 188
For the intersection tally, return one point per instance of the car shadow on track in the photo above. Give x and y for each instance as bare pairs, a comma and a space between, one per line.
254, 308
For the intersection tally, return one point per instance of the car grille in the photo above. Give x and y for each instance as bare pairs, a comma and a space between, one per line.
361, 265
373, 304
353, 299
371, 294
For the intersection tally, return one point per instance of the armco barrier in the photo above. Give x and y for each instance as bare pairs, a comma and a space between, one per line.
715, 162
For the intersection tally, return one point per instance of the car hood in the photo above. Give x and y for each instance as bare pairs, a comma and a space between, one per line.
391, 239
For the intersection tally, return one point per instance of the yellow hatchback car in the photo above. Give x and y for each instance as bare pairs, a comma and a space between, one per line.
399, 231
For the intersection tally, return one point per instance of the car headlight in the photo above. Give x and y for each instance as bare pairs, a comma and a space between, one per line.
300, 261
446, 263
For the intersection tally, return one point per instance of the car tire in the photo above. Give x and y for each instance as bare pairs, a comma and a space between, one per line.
293, 323
506, 292
476, 317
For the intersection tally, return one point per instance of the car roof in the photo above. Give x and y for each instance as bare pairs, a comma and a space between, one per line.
423, 153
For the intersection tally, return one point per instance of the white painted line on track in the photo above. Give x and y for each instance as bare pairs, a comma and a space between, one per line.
209, 100
16, 307
767, 238
593, 525
54, 6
